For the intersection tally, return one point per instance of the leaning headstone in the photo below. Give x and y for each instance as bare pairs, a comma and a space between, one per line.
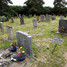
25, 40
21, 19
47, 18
42, 18
63, 26
2, 27
10, 33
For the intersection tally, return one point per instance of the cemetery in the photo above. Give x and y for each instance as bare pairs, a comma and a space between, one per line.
34, 40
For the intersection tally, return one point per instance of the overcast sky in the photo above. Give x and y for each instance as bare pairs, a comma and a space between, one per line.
21, 2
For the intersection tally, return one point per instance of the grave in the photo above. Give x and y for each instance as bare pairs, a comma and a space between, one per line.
24, 40
9, 31
53, 17
61, 17
47, 18
63, 26
35, 22
21, 19
42, 18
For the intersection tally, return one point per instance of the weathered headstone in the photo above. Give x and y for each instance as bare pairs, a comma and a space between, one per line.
63, 26
10, 33
42, 18
35, 22
21, 19
61, 17
25, 40
53, 17
47, 18
1, 27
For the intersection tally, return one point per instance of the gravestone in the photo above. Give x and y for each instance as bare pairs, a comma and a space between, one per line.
53, 17
2, 27
42, 18
35, 22
61, 17
63, 26
10, 33
21, 19
25, 40
47, 18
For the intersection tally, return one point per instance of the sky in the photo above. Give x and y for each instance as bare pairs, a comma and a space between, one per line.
21, 2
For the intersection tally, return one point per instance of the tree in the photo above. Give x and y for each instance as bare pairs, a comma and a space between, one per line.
35, 6
4, 5
60, 3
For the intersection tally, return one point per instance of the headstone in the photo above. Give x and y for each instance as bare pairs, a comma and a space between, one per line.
61, 17
10, 33
63, 26
2, 27
25, 40
47, 18
53, 17
21, 19
42, 18
35, 22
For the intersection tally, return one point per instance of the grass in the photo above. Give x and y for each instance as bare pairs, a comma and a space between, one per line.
42, 45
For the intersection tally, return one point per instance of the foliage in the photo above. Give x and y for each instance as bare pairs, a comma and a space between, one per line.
35, 6
59, 3
4, 6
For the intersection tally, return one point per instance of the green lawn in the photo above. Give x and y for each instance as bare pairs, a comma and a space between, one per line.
42, 46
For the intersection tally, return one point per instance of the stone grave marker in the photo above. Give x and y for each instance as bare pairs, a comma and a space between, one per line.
21, 19
53, 17
61, 17
47, 18
10, 33
25, 40
42, 18
35, 22
2, 27
63, 26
